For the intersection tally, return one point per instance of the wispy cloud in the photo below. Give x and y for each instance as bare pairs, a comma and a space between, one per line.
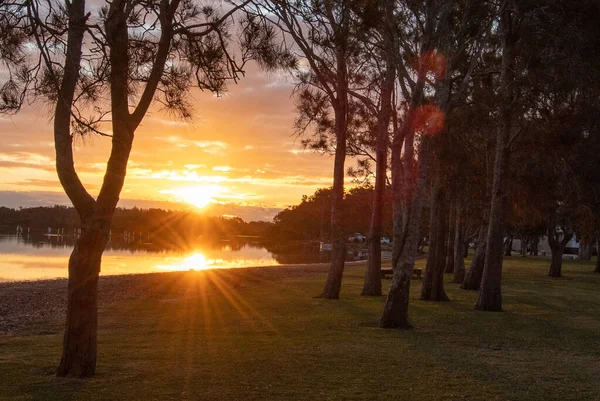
193, 176
211, 147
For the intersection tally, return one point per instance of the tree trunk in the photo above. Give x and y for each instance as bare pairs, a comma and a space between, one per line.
556, 264
433, 282
490, 292
472, 279
338, 253
597, 269
585, 248
558, 242
508, 244
451, 238
535, 246
523, 250
80, 339
459, 245
395, 311
79, 343
372, 283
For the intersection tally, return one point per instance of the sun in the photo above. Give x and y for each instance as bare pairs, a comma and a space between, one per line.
199, 196
195, 261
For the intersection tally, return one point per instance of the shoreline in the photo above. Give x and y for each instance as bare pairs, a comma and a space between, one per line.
27, 305
284, 266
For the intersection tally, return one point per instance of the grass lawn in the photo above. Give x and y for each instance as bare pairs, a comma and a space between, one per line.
210, 336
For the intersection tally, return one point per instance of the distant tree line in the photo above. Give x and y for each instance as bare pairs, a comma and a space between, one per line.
309, 220
164, 225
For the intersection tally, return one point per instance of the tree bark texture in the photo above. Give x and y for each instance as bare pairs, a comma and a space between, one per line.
80, 339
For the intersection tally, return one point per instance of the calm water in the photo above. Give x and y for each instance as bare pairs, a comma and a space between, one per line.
41, 257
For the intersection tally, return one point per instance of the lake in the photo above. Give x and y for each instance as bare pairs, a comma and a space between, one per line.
35, 257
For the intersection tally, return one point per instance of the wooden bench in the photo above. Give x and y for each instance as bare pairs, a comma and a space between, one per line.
416, 272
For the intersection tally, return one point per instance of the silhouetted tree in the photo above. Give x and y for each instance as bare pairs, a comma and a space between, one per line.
113, 61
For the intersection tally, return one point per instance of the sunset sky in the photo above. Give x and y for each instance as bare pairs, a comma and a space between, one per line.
239, 150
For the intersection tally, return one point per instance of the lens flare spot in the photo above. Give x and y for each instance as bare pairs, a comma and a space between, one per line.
431, 62
428, 120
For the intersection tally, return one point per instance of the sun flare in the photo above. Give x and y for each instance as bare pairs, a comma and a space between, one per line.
199, 196
195, 261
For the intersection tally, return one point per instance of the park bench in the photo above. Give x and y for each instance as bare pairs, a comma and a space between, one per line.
416, 272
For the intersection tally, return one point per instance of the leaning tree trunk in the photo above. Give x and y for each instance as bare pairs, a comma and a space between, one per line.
433, 282
333, 283
472, 278
395, 311
372, 283
459, 246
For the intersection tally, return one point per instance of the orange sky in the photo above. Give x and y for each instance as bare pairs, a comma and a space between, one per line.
240, 149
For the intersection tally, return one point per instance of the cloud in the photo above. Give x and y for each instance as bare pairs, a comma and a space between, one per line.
26, 158
211, 147
194, 166
194, 177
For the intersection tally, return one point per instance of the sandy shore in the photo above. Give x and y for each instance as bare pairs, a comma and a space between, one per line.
26, 306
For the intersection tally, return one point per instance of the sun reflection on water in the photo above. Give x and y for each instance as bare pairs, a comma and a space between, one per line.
198, 261
195, 261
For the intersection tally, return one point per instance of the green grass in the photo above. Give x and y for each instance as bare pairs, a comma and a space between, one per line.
269, 339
